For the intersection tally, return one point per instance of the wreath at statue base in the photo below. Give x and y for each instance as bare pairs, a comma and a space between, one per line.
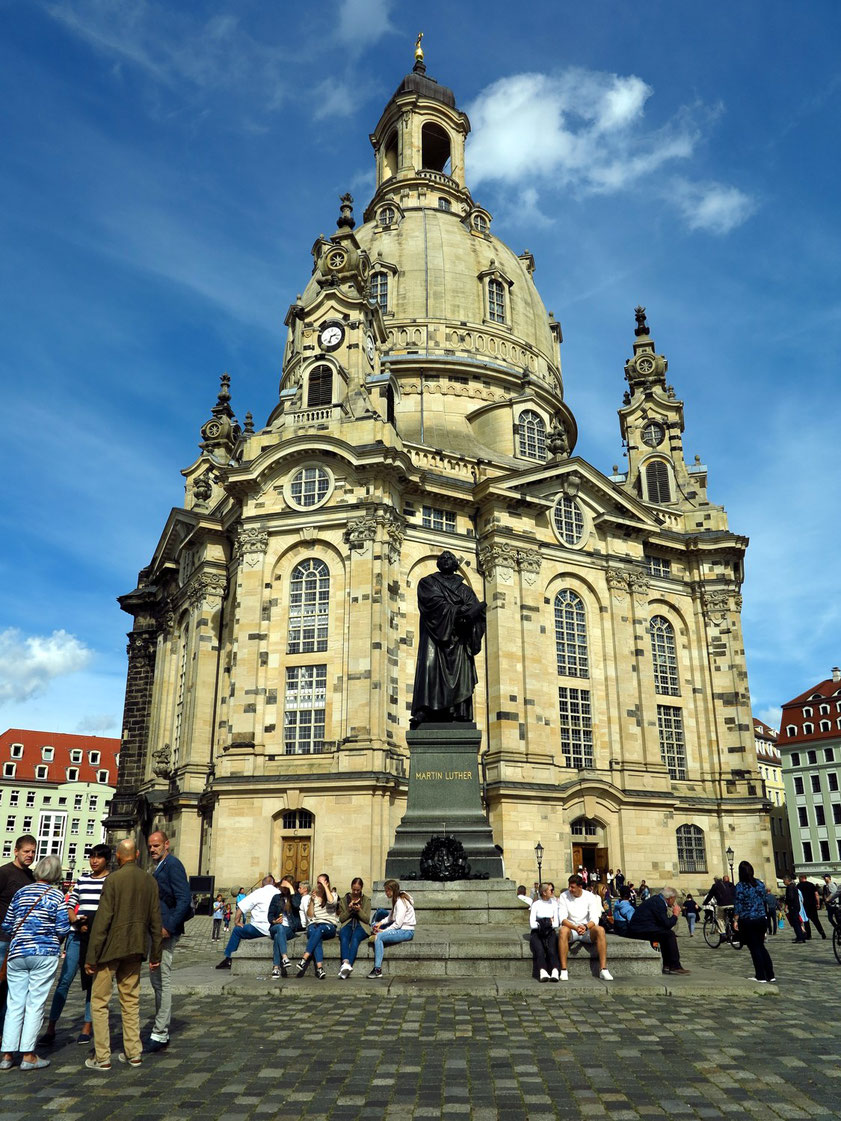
443, 859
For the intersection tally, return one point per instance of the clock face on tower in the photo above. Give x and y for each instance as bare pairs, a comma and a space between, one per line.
370, 348
330, 336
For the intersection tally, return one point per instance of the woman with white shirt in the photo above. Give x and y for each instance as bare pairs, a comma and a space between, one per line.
399, 926
543, 939
322, 922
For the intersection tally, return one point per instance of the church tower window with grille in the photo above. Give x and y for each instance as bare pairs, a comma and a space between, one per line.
379, 290
571, 635
664, 656
532, 434
496, 301
309, 607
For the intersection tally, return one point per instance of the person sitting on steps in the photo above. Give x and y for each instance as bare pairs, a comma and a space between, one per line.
579, 913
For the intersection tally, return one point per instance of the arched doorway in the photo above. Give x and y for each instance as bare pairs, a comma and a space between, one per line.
589, 846
296, 843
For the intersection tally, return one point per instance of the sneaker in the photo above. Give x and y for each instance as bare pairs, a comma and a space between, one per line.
225, 963
285, 962
84, 1037
302, 967
759, 980
39, 1064
93, 1064
155, 1045
605, 975
772, 980
553, 976
320, 974
275, 972
564, 975
375, 974
544, 976
135, 1062
345, 971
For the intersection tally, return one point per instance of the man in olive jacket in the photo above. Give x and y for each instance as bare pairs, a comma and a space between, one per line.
128, 918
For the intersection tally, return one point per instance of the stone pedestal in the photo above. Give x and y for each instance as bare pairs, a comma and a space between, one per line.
443, 797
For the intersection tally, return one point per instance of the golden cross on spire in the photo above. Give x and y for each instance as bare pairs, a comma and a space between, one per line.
419, 48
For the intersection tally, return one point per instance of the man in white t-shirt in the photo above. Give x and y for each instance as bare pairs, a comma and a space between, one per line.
579, 912
257, 902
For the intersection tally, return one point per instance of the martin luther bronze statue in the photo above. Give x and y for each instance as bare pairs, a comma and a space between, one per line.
452, 624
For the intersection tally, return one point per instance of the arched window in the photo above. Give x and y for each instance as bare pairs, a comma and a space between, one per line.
435, 147
657, 482
531, 431
379, 290
571, 635
387, 216
444, 204
298, 819
480, 223
826, 726
496, 300
320, 387
309, 607
664, 656
808, 729
691, 850
584, 827
180, 695
569, 520
390, 156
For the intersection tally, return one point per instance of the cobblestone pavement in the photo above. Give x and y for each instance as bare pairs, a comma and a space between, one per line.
340, 1051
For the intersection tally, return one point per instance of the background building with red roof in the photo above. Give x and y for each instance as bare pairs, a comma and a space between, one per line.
58, 788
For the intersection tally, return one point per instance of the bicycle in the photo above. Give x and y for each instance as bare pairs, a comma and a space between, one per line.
712, 934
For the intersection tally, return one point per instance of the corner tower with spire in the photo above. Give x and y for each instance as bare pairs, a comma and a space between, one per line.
421, 408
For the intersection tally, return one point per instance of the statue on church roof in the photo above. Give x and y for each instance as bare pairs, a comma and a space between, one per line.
642, 326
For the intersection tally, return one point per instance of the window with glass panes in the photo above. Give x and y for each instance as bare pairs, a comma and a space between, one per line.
305, 709
571, 635
569, 521
434, 518
672, 745
309, 607
309, 486
51, 834
496, 301
664, 656
379, 290
658, 566
576, 726
532, 435
691, 850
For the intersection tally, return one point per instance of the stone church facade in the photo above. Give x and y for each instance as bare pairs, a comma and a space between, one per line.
421, 408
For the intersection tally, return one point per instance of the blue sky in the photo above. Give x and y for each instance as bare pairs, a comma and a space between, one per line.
167, 166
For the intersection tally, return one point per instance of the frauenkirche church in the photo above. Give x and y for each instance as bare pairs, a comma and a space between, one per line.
421, 408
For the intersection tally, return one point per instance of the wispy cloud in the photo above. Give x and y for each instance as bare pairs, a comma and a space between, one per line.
363, 22
29, 664
586, 131
97, 723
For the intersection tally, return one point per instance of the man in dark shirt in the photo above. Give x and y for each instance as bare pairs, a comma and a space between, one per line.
13, 877
793, 910
653, 921
811, 900
723, 894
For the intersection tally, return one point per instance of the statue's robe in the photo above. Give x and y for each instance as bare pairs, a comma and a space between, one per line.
452, 625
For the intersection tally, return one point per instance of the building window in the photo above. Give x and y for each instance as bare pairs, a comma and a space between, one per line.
51, 834
664, 656
27, 824
480, 223
659, 566
76, 755
496, 301
89, 828
93, 758
820, 816
807, 852
72, 849
812, 756
77, 801
298, 819
808, 729
444, 204
691, 850
823, 710
672, 745
802, 816
72, 774
576, 727
795, 755
309, 607
47, 800
9, 770
571, 635
434, 518
657, 482
30, 798
41, 772
798, 784
836, 813
16, 751
816, 784
102, 776
826, 725
320, 387
11, 821
584, 827
824, 850
531, 435
75, 824
387, 216
379, 290
832, 779
569, 521
829, 755
93, 801
14, 797
305, 709
7, 849
309, 487
807, 711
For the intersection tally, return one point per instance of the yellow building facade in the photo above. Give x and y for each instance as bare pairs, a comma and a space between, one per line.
421, 407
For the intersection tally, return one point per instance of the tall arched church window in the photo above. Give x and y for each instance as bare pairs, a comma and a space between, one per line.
379, 290
496, 301
691, 850
657, 482
531, 433
435, 147
320, 387
664, 656
180, 694
309, 607
571, 635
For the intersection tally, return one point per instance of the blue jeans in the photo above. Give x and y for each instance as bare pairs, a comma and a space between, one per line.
318, 932
240, 933
280, 937
388, 937
29, 979
351, 937
690, 922
69, 968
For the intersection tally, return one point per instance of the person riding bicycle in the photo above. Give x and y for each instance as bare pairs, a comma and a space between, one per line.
723, 894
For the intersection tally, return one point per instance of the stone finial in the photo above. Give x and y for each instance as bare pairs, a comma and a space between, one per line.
223, 401
249, 424
346, 219
642, 326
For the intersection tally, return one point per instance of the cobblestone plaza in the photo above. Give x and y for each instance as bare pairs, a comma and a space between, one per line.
710, 1045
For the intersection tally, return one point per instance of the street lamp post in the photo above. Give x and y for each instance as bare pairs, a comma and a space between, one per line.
538, 852
730, 854
71, 866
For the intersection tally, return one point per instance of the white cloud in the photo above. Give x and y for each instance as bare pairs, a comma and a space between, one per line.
585, 131
770, 716
713, 207
363, 22
29, 664
97, 723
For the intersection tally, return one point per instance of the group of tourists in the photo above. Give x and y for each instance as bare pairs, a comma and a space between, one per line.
107, 926
291, 909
